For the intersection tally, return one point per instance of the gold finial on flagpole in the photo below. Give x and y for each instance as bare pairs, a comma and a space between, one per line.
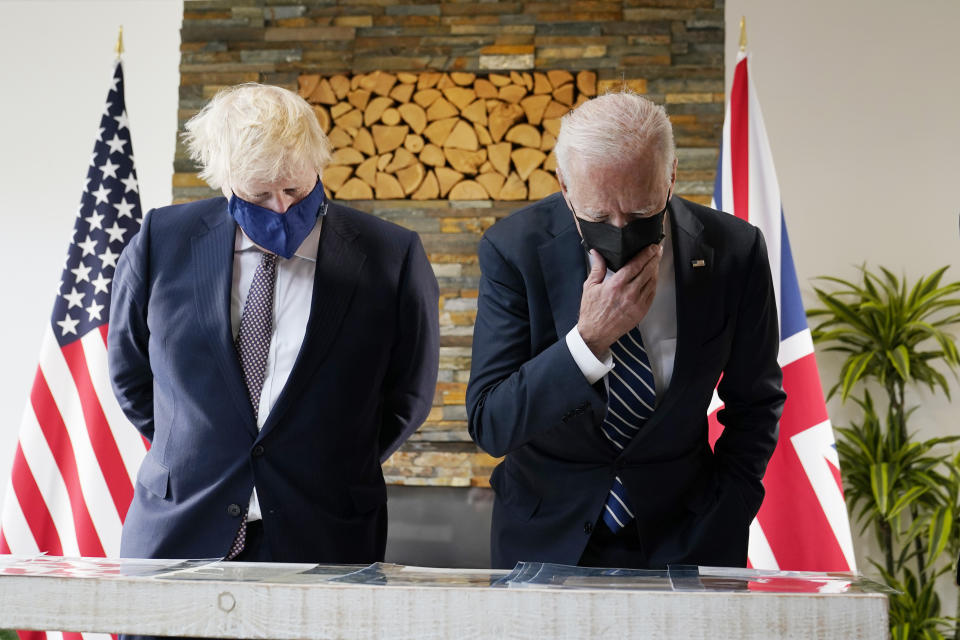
119, 47
743, 33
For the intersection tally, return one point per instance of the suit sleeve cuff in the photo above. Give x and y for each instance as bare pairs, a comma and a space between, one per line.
592, 368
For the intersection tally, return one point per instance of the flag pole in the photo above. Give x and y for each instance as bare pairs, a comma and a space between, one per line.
743, 33
119, 47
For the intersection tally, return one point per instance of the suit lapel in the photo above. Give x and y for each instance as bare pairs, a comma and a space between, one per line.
213, 275
692, 283
563, 280
339, 261
564, 284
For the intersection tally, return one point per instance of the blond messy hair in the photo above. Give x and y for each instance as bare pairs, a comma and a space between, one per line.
255, 132
615, 127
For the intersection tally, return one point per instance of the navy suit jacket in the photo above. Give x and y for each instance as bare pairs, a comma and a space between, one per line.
363, 382
528, 401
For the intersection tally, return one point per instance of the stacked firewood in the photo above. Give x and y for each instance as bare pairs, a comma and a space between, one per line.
432, 135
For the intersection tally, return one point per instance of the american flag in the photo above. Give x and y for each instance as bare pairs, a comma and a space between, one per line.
803, 523
77, 455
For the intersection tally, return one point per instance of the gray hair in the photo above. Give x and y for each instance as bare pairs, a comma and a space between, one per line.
255, 131
615, 127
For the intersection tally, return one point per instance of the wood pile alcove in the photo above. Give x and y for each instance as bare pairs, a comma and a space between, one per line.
434, 135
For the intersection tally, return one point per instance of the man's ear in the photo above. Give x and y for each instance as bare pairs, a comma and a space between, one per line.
563, 184
564, 193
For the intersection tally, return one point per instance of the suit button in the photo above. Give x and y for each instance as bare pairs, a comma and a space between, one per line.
258, 451
234, 510
588, 528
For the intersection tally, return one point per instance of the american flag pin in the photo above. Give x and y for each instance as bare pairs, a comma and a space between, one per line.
698, 263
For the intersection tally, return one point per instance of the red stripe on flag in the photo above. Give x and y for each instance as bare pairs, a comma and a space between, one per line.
58, 439
4, 547
791, 516
32, 635
836, 475
104, 446
34, 508
804, 407
714, 428
740, 141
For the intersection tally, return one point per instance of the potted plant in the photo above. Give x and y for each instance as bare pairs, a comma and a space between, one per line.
903, 489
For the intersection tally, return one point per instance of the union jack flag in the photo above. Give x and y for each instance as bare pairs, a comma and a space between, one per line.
803, 523
77, 454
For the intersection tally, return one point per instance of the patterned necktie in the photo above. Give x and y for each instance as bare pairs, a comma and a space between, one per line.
256, 327
631, 402
253, 345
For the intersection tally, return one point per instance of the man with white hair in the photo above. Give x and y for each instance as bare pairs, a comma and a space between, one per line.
274, 348
607, 314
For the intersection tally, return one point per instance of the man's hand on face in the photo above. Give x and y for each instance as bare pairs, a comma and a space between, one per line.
612, 307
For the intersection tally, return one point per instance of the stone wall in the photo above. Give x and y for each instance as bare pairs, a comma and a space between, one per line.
670, 50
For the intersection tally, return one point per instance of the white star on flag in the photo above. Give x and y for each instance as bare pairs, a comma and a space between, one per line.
124, 208
116, 144
68, 324
89, 246
130, 182
94, 220
108, 258
122, 121
100, 284
101, 194
82, 273
116, 232
75, 298
109, 169
93, 311
106, 111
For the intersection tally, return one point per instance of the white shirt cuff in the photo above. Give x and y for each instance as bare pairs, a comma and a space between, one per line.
591, 368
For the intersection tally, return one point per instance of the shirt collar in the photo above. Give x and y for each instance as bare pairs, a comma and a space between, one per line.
307, 249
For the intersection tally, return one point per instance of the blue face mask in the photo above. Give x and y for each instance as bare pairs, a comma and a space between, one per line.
279, 233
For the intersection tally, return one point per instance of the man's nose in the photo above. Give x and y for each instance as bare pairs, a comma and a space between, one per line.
282, 202
618, 220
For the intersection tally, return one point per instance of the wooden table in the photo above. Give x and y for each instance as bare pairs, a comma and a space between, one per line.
248, 600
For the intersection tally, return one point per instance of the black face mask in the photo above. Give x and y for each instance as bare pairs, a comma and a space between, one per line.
619, 245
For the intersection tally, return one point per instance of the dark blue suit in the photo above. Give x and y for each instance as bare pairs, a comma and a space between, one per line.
362, 383
527, 399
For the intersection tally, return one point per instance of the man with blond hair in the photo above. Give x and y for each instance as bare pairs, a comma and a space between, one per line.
274, 348
607, 314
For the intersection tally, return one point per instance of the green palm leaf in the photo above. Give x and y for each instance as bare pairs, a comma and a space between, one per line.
894, 334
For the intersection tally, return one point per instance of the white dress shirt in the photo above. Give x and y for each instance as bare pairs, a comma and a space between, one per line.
658, 328
292, 298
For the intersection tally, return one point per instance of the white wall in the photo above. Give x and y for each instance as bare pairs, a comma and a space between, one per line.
859, 99
56, 60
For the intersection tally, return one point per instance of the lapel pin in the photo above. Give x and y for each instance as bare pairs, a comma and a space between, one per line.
696, 264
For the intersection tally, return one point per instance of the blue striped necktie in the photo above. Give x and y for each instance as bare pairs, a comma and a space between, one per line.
631, 402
